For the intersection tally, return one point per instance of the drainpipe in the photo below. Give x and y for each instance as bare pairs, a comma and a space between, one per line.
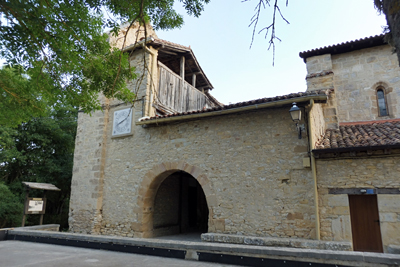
143, 102
314, 174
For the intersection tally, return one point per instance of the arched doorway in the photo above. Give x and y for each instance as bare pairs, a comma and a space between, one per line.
148, 189
180, 206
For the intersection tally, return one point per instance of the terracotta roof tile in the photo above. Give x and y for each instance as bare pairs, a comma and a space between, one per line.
248, 103
362, 135
157, 40
344, 47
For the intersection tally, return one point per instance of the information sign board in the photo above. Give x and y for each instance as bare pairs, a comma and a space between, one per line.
35, 206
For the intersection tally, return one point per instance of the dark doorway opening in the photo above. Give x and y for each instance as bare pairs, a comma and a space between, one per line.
365, 225
180, 206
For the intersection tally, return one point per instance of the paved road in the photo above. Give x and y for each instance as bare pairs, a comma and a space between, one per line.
17, 253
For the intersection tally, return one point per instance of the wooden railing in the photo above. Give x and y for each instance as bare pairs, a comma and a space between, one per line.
176, 95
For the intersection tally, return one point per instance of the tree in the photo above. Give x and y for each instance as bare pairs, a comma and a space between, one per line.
64, 54
20, 98
40, 150
391, 9
10, 207
269, 29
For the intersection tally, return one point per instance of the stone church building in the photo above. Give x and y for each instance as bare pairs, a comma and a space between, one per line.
179, 161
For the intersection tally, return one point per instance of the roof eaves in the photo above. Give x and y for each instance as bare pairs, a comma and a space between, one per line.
201, 70
345, 46
354, 149
138, 44
178, 47
236, 108
186, 49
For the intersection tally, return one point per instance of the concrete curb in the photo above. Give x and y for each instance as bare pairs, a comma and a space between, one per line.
44, 227
324, 257
276, 242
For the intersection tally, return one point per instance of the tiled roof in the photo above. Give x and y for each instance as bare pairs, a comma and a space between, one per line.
153, 40
171, 49
165, 42
249, 103
213, 99
345, 46
384, 133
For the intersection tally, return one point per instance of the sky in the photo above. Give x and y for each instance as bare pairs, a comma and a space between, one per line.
220, 38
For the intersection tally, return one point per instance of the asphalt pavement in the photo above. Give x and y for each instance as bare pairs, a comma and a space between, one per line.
18, 253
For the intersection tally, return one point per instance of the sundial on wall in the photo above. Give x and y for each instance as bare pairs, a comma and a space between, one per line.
122, 121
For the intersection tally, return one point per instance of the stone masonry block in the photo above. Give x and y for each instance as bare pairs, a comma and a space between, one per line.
173, 165
212, 200
180, 165
341, 228
167, 165
219, 225
148, 201
196, 171
338, 200
202, 179
160, 168
188, 168
388, 217
389, 203
207, 190
330, 111
341, 211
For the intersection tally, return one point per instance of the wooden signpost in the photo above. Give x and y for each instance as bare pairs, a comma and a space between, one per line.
35, 205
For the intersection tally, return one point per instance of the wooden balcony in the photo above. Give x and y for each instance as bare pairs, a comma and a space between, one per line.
175, 95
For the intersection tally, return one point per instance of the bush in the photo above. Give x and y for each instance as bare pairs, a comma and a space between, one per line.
11, 209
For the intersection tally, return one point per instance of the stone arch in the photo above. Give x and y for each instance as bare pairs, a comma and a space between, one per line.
391, 108
152, 181
382, 85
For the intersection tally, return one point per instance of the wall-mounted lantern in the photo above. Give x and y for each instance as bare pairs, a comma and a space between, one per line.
295, 113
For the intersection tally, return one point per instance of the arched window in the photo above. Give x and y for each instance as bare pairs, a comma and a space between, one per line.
380, 95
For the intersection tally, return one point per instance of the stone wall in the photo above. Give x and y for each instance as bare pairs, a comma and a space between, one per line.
319, 72
357, 75
319, 64
322, 117
134, 35
86, 177
358, 173
87, 184
249, 165
253, 162
317, 123
166, 203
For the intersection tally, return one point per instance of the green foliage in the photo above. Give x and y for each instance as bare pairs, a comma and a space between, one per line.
19, 97
58, 57
40, 150
10, 208
63, 54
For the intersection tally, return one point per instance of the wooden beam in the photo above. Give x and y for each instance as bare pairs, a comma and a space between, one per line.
25, 207
364, 191
169, 53
194, 80
183, 68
